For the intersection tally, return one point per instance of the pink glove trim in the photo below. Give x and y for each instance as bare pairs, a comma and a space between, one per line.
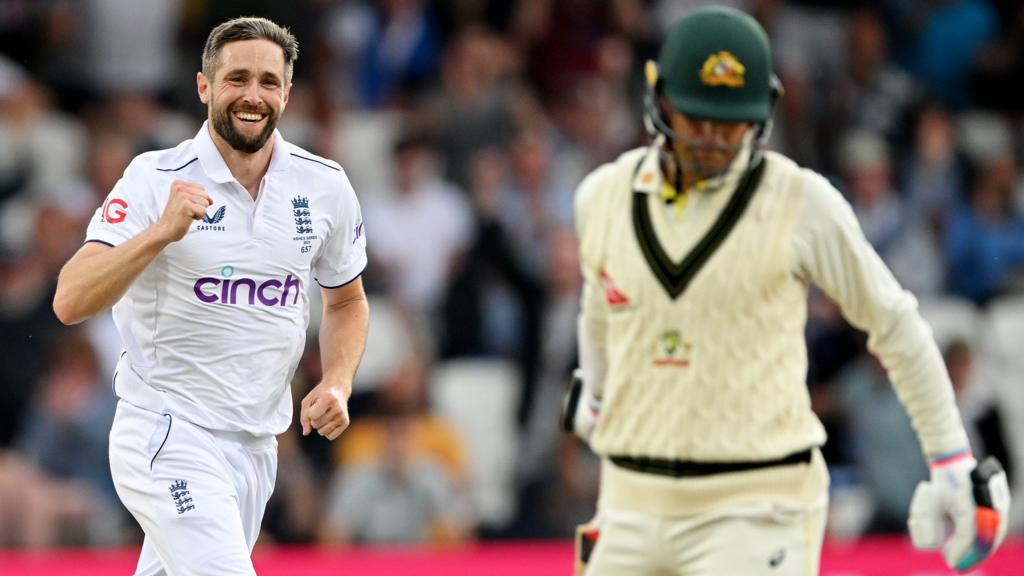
950, 458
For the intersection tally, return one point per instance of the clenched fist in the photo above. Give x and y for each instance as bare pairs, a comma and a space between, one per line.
187, 202
325, 409
963, 509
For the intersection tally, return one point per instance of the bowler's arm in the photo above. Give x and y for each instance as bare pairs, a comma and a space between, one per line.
343, 330
342, 341
98, 275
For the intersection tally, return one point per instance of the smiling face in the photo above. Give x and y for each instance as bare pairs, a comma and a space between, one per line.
247, 94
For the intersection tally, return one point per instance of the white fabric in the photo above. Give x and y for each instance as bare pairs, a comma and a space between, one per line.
588, 409
198, 495
215, 326
776, 539
593, 358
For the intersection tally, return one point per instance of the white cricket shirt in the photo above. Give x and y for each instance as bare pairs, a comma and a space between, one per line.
213, 329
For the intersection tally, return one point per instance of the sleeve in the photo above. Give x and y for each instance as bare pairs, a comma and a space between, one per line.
127, 211
343, 257
831, 251
592, 324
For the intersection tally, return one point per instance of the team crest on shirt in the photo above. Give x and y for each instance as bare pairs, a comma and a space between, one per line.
303, 219
213, 221
181, 496
672, 349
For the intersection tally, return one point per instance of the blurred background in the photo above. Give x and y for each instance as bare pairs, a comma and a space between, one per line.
465, 126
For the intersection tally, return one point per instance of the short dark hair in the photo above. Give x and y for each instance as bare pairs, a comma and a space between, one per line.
249, 28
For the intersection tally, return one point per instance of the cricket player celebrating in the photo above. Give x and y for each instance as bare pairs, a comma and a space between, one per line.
697, 253
205, 253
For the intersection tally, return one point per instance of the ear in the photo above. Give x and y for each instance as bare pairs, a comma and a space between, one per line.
203, 87
287, 93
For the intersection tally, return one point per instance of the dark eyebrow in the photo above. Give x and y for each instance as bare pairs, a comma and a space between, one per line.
247, 72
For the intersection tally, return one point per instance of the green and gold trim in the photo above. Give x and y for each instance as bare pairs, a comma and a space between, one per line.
676, 277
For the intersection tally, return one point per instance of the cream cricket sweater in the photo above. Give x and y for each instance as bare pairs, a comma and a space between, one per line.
703, 342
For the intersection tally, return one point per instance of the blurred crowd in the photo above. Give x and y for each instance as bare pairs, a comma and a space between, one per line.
465, 126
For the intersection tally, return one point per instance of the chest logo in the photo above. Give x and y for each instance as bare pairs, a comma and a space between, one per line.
672, 350
217, 216
301, 215
612, 294
303, 219
213, 221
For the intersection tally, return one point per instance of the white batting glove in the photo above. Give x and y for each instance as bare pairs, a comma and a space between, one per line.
581, 408
975, 498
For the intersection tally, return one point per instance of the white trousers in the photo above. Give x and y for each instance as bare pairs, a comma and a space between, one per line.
768, 539
198, 495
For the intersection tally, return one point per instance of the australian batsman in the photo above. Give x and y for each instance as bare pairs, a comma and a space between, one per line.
697, 253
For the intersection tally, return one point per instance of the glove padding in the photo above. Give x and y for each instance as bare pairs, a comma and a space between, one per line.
976, 498
580, 409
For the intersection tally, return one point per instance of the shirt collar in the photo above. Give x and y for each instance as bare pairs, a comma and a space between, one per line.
215, 167
648, 174
648, 178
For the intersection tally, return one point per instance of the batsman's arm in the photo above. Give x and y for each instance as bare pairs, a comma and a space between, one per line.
831, 251
98, 275
583, 401
974, 499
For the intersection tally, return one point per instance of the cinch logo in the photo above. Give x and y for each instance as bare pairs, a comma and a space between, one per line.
226, 291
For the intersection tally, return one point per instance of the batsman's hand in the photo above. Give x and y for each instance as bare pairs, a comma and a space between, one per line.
186, 203
973, 500
580, 409
325, 409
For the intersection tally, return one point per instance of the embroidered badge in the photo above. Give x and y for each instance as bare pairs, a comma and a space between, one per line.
182, 497
211, 221
672, 350
300, 211
723, 69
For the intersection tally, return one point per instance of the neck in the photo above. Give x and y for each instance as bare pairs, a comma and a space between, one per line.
669, 173
248, 169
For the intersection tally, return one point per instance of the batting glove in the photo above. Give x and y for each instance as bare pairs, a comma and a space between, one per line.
581, 408
975, 498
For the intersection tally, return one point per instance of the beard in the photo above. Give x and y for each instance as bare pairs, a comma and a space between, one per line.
248, 144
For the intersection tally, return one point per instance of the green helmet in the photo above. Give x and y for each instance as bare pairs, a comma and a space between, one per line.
716, 64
